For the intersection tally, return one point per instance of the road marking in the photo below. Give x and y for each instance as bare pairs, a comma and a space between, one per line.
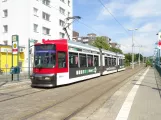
125, 109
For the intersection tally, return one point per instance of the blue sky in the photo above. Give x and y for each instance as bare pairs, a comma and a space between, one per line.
142, 14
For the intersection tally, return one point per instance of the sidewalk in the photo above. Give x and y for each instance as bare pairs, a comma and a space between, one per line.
143, 102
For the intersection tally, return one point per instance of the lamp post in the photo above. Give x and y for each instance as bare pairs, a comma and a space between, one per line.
132, 46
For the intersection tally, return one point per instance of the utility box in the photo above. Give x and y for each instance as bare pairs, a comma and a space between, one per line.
15, 70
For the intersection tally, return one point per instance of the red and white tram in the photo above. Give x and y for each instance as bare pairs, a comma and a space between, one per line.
58, 62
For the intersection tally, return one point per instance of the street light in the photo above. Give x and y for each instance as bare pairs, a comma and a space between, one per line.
132, 47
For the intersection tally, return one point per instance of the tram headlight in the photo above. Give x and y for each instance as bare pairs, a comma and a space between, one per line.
47, 78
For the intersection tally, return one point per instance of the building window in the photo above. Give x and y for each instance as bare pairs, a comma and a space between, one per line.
68, 2
46, 2
5, 13
45, 16
62, 1
61, 23
35, 11
68, 14
35, 27
5, 28
62, 11
62, 35
61, 59
46, 31
4, 0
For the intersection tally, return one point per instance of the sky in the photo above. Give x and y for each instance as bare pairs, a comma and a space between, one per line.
142, 14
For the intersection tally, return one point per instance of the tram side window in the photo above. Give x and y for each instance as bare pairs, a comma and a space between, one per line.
96, 61
114, 61
123, 62
109, 62
83, 60
73, 60
90, 61
106, 61
61, 59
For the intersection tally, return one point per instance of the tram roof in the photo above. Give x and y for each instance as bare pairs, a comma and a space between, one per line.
84, 46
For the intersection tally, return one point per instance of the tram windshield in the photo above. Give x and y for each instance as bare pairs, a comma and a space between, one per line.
45, 56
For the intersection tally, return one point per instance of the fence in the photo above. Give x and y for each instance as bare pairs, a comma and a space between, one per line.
158, 69
5, 75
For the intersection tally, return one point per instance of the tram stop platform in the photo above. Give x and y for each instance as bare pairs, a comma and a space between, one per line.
143, 102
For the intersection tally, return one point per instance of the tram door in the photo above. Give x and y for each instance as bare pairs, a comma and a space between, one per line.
62, 64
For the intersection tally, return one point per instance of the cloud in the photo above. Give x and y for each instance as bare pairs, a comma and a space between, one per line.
137, 9
144, 8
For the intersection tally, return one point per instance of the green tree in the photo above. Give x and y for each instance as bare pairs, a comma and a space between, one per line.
101, 42
117, 50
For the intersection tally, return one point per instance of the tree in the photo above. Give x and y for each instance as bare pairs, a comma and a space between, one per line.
117, 50
101, 42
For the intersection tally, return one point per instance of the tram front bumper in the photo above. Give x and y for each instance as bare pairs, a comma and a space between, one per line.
43, 80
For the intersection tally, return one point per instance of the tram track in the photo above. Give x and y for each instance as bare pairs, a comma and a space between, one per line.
18, 96
12, 95
93, 100
51, 105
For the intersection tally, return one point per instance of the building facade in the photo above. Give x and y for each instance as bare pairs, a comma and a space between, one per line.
34, 19
75, 36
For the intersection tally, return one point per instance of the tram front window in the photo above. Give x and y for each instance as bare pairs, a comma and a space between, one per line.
45, 59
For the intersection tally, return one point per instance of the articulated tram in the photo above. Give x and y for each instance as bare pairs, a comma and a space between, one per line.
58, 62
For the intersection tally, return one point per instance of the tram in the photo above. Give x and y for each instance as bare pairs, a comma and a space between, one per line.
59, 62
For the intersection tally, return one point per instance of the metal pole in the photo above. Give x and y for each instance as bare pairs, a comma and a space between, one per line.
12, 58
6, 62
17, 57
139, 55
29, 58
132, 52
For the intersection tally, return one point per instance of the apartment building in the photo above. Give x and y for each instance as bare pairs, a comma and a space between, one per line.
34, 19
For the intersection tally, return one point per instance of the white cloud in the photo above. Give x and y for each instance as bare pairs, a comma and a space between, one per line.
137, 9
144, 8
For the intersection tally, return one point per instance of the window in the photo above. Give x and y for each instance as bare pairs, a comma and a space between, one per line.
46, 2
90, 61
46, 31
62, 11
61, 59
110, 62
61, 23
114, 62
45, 16
83, 60
62, 35
5, 28
5, 13
106, 61
68, 14
35, 27
96, 61
73, 60
4, 0
68, 2
62, 1
35, 10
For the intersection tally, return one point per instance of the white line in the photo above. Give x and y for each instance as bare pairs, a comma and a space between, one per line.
125, 109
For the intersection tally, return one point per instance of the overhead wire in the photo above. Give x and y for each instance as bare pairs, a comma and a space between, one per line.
113, 16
